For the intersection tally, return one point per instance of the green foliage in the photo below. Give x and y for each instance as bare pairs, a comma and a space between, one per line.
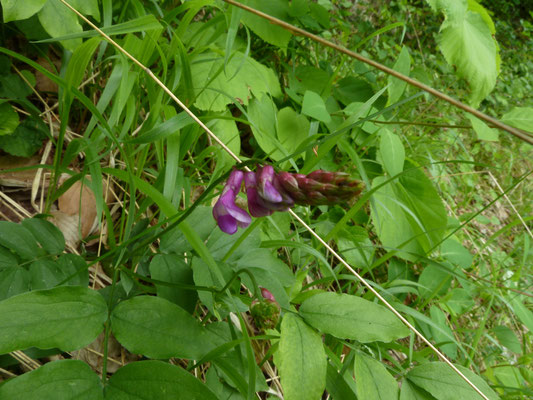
432, 232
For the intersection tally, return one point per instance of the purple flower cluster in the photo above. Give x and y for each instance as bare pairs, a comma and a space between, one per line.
268, 192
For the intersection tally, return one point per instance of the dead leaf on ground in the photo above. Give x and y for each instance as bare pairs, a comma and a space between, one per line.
18, 179
76, 214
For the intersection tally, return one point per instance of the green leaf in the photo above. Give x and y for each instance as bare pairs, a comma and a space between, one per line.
217, 86
226, 130
86, 7
314, 107
15, 10
435, 279
391, 223
351, 317
392, 152
456, 253
301, 360
19, 240
352, 90
467, 43
171, 268
65, 317
459, 301
442, 335
7, 259
54, 11
444, 384
428, 216
163, 130
262, 115
520, 117
292, 128
9, 119
13, 280
396, 86
374, 382
49, 237
64, 379
507, 338
25, 140
337, 385
157, 328
69, 268
410, 391
270, 33
522, 312
482, 130
155, 380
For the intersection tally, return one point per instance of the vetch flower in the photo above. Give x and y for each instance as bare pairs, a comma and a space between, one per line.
227, 214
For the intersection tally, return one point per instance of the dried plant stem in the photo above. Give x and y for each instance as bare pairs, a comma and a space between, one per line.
301, 32
292, 213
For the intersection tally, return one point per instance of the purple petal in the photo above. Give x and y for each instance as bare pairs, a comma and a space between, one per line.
234, 181
265, 187
254, 205
227, 214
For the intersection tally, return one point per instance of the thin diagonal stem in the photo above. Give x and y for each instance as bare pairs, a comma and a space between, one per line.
297, 31
307, 227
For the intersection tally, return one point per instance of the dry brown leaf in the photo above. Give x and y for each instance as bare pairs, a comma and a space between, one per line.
79, 201
43, 83
19, 179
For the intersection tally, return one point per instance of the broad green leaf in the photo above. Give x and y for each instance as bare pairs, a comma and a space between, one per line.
14, 280
426, 212
520, 117
304, 78
313, 106
65, 317
7, 258
435, 279
409, 391
453, 9
54, 11
439, 318
456, 253
522, 312
155, 380
391, 223
467, 43
443, 382
86, 7
64, 379
19, 240
262, 115
25, 140
301, 360
392, 152
353, 90
49, 237
217, 86
172, 269
337, 385
482, 130
351, 317
157, 328
373, 380
507, 338
226, 130
292, 128
15, 10
9, 119
270, 33
396, 86
70, 269
459, 301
